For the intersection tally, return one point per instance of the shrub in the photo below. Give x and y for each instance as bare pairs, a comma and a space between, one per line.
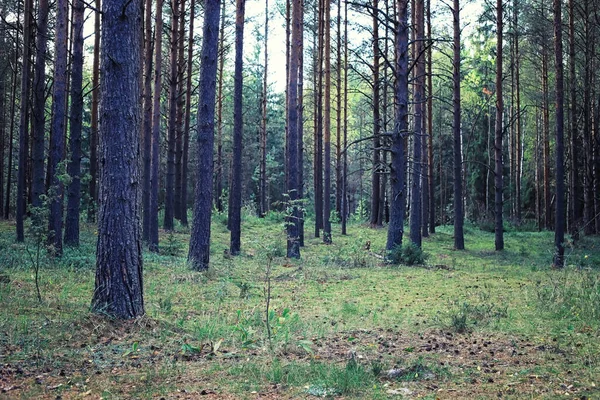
409, 254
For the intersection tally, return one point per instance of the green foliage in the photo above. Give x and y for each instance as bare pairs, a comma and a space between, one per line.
172, 245
462, 316
409, 254
572, 295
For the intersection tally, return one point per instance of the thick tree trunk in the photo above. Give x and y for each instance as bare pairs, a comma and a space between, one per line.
59, 112
459, 239
23, 121
398, 165
559, 233
168, 223
416, 192
147, 121
199, 254
74, 168
39, 105
119, 285
158, 28
238, 128
94, 117
498, 167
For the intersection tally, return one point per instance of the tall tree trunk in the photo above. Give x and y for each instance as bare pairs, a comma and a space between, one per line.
59, 112
416, 192
219, 168
119, 284
398, 165
318, 163
518, 131
498, 169
23, 120
39, 105
293, 220
459, 239
345, 208
74, 168
2, 127
147, 121
238, 128
588, 179
559, 233
376, 172
327, 128
158, 30
168, 223
338, 115
301, 125
13, 102
546, 140
186, 129
575, 188
94, 116
430, 121
199, 254
178, 208
263, 208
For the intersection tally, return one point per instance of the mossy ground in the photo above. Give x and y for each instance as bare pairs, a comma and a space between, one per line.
468, 324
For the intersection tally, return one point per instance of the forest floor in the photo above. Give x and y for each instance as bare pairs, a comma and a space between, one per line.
467, 324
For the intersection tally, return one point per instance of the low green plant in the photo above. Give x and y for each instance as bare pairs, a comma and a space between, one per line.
463, 315
409, 254
571, 294
172, 246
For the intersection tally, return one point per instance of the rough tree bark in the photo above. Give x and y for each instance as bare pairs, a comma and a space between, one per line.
76, 121
23, 121
559, 232
293, 220
153, 239
169, 223
376, 173
199, 254
263, 127
147, 121
119, 286
397, 149
59, 112
238, 128
94, 117
327, 128
186, 129
416, 192
498, 173
38, 186
459, 238
219, 167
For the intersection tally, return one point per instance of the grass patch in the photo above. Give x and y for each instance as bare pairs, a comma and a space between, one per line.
340, 319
